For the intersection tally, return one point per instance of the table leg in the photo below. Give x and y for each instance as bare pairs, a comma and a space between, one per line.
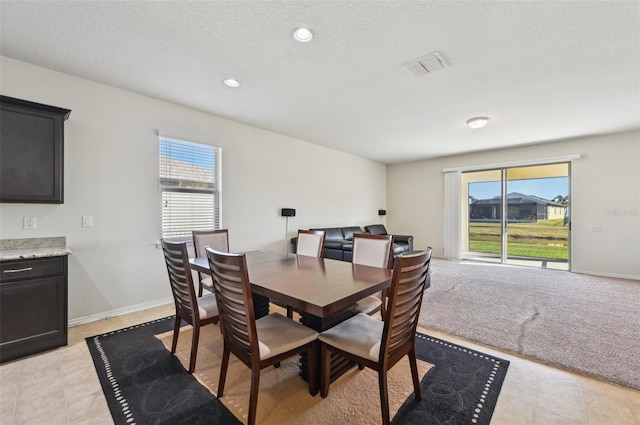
339, 364
260, 305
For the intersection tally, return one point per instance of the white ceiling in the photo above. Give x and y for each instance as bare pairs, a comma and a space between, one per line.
542, 71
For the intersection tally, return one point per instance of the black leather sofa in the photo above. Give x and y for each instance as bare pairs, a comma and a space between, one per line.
338, 241
401, 243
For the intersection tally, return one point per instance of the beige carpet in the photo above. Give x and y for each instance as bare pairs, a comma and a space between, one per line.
284, 397
586, 324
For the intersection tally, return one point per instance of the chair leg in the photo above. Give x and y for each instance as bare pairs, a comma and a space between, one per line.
414, 374
194, 348
290, 312
384, 396
383, 306
176, 331
325, 370
312, 365
223, 371
253, 397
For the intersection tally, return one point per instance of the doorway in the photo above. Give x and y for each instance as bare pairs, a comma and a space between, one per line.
518, 215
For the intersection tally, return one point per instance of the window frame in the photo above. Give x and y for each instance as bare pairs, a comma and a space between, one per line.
174, 228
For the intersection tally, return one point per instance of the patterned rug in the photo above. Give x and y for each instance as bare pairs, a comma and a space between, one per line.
144, 384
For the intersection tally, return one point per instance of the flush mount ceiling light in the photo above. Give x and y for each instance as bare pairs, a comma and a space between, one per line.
303, 35
477, 122
231, 82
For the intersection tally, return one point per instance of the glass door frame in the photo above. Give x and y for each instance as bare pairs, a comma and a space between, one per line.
503, 256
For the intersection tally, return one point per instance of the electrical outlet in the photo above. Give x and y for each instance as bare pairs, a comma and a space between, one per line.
87, 221
28, 223
596, 228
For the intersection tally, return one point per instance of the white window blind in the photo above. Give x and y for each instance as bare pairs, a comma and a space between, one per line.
190, 187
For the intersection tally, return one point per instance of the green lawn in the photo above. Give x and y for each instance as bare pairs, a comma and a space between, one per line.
543, 239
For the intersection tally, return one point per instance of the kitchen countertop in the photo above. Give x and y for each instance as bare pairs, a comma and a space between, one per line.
16, 249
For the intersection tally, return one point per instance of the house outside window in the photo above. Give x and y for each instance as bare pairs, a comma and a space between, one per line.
190, 176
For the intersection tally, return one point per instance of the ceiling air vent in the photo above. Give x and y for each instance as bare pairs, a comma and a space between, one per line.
428, 64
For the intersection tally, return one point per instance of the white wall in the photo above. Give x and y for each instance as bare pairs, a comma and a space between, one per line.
111, 174
605, 192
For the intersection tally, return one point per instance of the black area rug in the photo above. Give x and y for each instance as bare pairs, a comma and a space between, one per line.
462, 388
145, 384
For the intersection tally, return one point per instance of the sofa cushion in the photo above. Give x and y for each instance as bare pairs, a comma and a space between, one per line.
331, 233
399, 248
334, 254
347, 232
376, 229
333, 243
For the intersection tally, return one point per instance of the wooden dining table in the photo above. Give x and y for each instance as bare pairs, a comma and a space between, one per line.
323, 291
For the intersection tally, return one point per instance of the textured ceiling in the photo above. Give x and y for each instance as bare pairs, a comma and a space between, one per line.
542, 71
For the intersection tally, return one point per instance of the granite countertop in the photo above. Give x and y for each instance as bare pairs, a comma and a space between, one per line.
16, 249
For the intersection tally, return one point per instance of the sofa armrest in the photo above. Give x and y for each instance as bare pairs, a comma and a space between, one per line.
408, 239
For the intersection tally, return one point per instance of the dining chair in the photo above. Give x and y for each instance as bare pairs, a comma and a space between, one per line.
197, 311
375, 251
216, 239
310, 243
257, 343
378, 344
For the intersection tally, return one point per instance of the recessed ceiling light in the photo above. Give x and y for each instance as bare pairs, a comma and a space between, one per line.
303, 35
231, 82
477, 122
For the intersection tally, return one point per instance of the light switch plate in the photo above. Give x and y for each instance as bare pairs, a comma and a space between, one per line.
87, 221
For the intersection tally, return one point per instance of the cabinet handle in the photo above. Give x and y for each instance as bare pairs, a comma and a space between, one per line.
26, 269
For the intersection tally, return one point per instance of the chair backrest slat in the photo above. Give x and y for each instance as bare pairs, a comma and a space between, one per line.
372, 250
405, 301
235, 305
180, 278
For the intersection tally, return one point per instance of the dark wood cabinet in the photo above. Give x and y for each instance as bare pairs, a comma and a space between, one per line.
33, 306
31, 151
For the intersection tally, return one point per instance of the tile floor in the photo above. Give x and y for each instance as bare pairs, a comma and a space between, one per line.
61, 387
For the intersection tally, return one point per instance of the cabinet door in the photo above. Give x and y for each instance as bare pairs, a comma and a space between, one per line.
31, 151
33, 315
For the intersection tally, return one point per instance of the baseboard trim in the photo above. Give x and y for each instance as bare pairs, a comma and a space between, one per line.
118, 312
616, 275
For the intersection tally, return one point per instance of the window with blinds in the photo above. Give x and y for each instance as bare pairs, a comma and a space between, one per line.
190, 187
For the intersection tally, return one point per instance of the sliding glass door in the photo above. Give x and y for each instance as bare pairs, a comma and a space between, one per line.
518, 215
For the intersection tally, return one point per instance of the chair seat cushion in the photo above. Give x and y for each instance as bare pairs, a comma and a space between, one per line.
369, 304
207, 283
359, 335
278, 334
207, 306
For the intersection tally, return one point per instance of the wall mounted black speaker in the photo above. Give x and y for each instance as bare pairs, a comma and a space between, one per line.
288, 212
382, 212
